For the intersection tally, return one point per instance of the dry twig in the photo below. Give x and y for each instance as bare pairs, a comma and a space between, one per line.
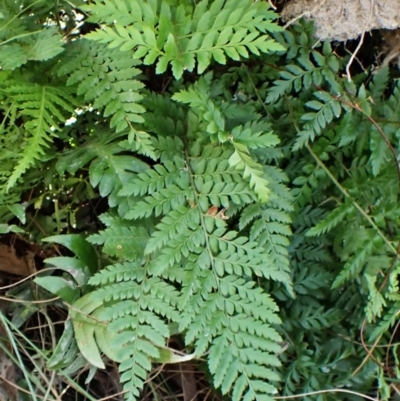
353, 56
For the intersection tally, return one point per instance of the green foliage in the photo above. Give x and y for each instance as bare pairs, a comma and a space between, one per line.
44, 108
345, 189
106, 82
192, 246
251, 192
22, 38
184, 35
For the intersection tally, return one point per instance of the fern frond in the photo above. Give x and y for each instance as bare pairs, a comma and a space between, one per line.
355, 264
110, 169
20, 42
239, 341
178, 222
311, 67
117, 273
45, 108
108, 82
332, 220
379, 83
326, 109
241, 137
380, 153
215, 299
222, 29
391, 317
240, 160
129, 241
136, 306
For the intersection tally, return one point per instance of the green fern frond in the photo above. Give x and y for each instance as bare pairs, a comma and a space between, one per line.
242, 138
311, 68
127, 241
380, 153
389, 320
332, 220
45, 108
108, 82
379, 83
179, 222
326, 109
190, 190
110, 169
355, 264
216, 268
130, 308
240, 160
222, 29
23, 39
117, 273
229, 322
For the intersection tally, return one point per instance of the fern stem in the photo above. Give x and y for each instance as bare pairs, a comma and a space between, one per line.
23, 35
203, 225
256, 91
354, 203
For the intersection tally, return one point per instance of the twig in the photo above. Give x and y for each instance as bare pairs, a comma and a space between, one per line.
272, 5
20, 301
27, 278
113, 395
334, 390
353, 56
367, 350
356, 58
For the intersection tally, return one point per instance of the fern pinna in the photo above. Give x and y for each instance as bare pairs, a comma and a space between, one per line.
182, 256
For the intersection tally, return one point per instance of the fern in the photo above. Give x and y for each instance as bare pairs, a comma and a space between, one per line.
107, 81
185, 35
137, 305
220, 308
22, 38
252, 210
120, 239
242, 138
45, 108
109, 168
332, 220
